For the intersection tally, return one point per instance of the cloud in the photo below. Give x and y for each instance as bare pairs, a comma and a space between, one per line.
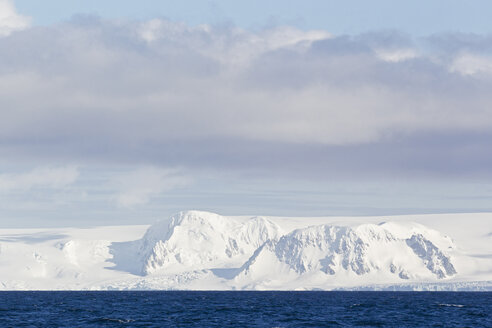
140, 186
39, 178
397, 55
471, 64
164, 93
233, 47
10, 20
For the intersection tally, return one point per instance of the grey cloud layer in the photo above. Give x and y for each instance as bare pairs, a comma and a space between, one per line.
113, 90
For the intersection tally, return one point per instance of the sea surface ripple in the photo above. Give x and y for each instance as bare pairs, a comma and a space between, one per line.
245, 309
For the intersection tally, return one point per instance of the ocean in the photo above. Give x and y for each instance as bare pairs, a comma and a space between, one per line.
245, 309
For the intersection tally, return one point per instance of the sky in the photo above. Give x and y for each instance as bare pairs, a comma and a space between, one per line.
120, 112
340, 17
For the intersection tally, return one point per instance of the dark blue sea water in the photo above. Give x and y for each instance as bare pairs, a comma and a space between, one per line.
245, 309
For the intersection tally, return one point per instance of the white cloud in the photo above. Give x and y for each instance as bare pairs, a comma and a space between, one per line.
10, 20
235, 47
140, 186
45, 177
471, 64
396, 55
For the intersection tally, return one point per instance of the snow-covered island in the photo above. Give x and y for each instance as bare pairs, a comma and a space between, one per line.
205, 251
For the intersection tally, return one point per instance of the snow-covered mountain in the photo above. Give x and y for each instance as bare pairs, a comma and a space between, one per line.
331, 253
201, 250
197, 240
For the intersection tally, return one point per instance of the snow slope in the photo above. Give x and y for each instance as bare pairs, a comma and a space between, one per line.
329, 255
197, 240
201, 250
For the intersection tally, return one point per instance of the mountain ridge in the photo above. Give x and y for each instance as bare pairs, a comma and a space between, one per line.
202, 250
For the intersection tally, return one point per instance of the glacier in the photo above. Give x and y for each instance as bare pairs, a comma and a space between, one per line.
196, 250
